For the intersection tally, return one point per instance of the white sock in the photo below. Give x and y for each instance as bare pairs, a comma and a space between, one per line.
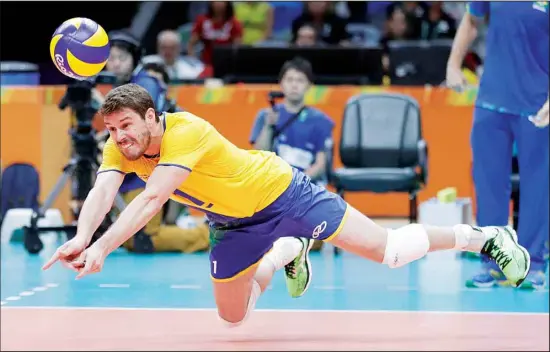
254, 295
285, 249
469, 239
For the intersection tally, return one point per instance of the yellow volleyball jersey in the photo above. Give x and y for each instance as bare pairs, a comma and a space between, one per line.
224, 179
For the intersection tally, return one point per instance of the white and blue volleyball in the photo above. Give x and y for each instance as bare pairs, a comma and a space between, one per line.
80, 48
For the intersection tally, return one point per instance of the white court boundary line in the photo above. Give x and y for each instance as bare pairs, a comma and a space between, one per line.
28, 293
353, 311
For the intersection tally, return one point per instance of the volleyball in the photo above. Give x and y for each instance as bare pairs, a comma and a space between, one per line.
79, 48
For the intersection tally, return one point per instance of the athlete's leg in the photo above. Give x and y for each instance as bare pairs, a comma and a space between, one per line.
491, 142
395, 248
237, 289
319, 214
532, 143
236, 298
284, 250
364, 237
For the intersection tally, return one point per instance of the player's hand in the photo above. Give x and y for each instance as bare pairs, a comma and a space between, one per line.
91, 260
455, 79
67, 253
541, 118
271, 118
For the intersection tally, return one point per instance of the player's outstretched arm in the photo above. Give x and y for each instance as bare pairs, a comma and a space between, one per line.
161, 185
97, 204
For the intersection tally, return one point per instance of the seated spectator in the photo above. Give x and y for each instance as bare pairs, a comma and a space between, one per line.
306, 36
218, 26
330, 28
256, 18
414, 13
169, 53
396, 28
164, 237
284, 12
436, 24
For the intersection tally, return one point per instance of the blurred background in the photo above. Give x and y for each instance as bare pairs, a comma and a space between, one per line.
377, 75
271, 31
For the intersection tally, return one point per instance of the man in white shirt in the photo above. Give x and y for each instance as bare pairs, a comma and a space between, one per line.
169, 49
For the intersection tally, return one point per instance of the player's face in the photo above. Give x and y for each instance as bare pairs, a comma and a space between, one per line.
130, 132
294, 85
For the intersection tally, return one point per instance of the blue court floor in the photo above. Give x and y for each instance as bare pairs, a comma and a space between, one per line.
345, 282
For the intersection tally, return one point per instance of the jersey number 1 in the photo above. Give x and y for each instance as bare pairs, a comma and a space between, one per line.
214, 266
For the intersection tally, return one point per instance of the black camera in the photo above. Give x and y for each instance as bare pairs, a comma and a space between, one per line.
78, 97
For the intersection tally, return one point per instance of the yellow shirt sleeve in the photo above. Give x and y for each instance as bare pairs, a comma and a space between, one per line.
184, 145
113, 160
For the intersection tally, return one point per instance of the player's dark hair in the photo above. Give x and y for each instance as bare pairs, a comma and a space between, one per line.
299, 64
130, 96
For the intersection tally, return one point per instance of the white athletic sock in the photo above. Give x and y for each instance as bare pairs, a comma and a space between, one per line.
468, 239
254, 295
285, 249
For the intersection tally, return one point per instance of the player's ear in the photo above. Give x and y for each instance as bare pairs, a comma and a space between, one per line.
150, 117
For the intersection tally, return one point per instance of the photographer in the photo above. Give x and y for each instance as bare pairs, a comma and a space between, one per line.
297, 133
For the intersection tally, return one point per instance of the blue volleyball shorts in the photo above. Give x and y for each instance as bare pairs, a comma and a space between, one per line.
302, 210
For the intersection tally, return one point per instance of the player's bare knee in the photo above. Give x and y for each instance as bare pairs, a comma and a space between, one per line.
405, 245
231, 320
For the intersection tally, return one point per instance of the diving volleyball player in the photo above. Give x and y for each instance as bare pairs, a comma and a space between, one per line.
263, 213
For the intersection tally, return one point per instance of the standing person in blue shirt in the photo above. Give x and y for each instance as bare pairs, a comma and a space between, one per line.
297, 133
511, 106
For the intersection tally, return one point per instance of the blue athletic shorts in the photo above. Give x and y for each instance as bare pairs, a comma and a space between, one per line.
302, 210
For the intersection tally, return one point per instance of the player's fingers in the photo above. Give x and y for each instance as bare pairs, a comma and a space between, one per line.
453, 84
65, 252
83, 272
460, 85
86, 271
53, 259
539, 121
89, 266
70, 250
72, 265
